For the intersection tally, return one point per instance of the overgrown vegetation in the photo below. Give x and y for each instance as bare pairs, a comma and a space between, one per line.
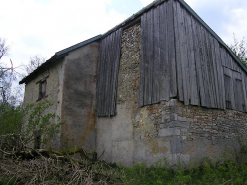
38, 121
207, 173
53, 167
72, 169
11, 119
240, 49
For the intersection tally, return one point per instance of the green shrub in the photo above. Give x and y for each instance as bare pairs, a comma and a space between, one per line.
207, 173
11, 119
29, 122
40, 122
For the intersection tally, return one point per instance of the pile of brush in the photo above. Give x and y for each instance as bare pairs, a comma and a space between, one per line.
23, 165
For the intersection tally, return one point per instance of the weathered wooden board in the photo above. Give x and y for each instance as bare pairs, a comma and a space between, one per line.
238, 90
194, 96
238, 95
107, 73
186, 59
222, 76
146, 61
145, 42
201, 68
210, 69
227, 82
177, 49
215, 74
171, 51
244, 91
158, 74
151, 55
232, 88
229, 87
142, 55
164, 85
218, 77
205, 68
156, 56
183, 50
117, 52
197, 49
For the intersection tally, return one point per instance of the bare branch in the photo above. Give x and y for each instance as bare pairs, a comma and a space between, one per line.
34, 63
4, 49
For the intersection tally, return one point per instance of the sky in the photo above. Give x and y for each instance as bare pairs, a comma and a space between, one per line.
44, 27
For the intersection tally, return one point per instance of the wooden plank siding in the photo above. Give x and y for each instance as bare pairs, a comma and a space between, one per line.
191, 62
163, 79
178, 45
107, 73
179, 58
171, 50
206, 61
158, 77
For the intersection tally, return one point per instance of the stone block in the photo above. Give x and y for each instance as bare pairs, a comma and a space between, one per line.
172, 102
165, 119
173, 117
178, 159
169, 132
176, 145
214, 131
184, 130
182, 118
184, 137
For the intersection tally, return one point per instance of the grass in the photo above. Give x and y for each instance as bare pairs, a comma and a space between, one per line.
207, 173
55, 171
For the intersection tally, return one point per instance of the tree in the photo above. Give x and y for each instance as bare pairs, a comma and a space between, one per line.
4, 49
8, 76
25, 122
240, 49
34, 63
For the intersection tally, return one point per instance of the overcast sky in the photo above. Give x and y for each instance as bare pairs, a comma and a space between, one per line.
44, 27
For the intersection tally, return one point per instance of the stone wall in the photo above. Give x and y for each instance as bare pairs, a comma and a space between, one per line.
168, 130
71, 87
54, 78
78, 102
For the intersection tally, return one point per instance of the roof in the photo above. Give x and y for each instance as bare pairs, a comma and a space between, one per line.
58, 55
189, 9
124, 23
67, 50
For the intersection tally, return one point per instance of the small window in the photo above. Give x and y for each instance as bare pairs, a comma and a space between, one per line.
42, 89
41, 85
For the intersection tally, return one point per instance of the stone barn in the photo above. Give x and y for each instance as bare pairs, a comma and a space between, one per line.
160, 85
